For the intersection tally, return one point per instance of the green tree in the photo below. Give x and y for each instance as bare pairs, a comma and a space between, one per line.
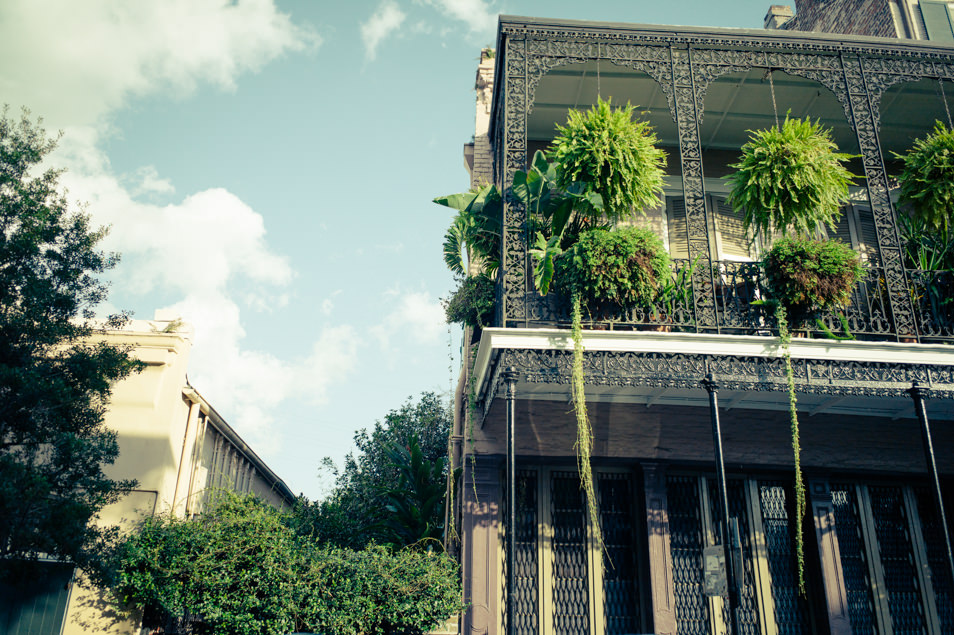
55, 380
355, 512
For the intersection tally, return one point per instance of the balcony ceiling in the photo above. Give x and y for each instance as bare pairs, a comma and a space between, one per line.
734, 104
808, 403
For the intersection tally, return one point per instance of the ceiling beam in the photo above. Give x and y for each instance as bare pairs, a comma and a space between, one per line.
736, 401
825, 405
654, 396
904, 413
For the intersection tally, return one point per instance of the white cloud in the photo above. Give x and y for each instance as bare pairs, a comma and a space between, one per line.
74, 62
475, 13
146, 181
414, 316
198, 245
253, 384
77, 63
383, 22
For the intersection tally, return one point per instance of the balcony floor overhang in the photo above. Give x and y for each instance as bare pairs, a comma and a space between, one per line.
658, 369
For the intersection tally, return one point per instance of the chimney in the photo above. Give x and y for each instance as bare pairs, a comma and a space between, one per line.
778, 14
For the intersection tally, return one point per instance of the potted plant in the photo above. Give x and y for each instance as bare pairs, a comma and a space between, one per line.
605, 167
611, 272
791, 180
806, 275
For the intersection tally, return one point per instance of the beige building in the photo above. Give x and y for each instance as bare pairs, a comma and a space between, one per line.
176, 446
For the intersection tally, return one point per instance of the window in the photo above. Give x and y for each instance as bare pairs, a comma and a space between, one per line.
564, 584
727, 238
937, 20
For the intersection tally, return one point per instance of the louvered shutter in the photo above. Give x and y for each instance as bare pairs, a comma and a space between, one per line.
678, 232
937, 19
867, 234
732, 242
843, 229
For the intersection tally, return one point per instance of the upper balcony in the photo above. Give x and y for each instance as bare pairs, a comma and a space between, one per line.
703, 91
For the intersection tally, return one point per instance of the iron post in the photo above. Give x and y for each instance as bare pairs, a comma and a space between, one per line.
713, 389
510, 377
918, 394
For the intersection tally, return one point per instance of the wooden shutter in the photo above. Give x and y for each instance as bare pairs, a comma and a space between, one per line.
937, 19
866, 233
732, 241
678, 231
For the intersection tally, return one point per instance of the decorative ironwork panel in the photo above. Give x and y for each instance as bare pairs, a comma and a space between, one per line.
620, 581
774, 498
525, 615
514, 245
686, 543
937, 557
854, 560
876, 178
933, 310
747, 612
570, 549
681, 370
897, 560
690, 153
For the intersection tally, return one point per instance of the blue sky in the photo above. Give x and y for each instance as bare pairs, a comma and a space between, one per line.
267, 169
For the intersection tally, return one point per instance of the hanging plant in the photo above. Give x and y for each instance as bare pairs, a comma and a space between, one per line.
790, 179
806, 276
584, 431
611, 272
785, 340
613, 156
927, 179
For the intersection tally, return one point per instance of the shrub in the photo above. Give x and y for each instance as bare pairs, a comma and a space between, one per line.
613, 271
927, 180
790, 179
244, 571
473, 302
613, 155
807, 275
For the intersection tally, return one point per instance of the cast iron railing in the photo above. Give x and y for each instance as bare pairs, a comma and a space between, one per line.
740, 295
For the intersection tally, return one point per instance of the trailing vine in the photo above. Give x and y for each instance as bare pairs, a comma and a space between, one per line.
785, 340
584, 431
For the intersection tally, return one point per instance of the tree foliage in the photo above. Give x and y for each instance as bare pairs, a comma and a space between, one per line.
55, 381
355, 513
243, 570
790, 179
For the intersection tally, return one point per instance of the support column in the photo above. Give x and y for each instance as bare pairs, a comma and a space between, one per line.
918, 394
713, 389
836, 599
480, 545
510, 377
660, 555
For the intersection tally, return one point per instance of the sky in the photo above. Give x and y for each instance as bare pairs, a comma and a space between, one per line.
266, 168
